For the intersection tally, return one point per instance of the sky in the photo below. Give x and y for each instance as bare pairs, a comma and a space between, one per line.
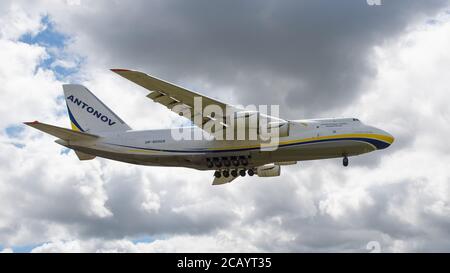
384, 64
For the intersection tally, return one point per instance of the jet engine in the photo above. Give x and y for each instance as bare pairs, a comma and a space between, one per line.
283, 127
253, 120
248, 119
269, 170
286, 163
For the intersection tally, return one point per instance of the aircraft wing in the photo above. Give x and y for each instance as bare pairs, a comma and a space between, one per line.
171, 95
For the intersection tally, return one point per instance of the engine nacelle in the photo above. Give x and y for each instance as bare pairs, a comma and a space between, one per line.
286, 163
253, 120
269, 170
247, 119
283, 128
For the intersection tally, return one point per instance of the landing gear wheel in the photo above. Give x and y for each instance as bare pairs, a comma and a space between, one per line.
226, 174
226, 163
235, 162
242, 173
217, 163
244, 161
251, 172
210, 164
217, 174
345, 161
234, 173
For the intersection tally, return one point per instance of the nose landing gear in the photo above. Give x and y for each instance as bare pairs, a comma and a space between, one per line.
345, 161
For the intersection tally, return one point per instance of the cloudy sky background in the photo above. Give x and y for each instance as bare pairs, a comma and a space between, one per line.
387, 65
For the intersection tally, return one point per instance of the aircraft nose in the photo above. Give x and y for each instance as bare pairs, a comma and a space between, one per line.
387, 138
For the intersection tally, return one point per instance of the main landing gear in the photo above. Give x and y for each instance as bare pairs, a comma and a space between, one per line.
227, 162
232, 166
345, 161
234, 173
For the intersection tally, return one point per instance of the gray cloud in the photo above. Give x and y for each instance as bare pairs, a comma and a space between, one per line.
176, 214
311, 56
308, 56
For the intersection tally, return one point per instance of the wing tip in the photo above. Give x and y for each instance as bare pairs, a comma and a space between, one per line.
118, 70
31, 122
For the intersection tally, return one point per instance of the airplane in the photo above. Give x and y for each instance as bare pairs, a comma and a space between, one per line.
98, 131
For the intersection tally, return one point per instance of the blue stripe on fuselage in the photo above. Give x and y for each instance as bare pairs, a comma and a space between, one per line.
377, 143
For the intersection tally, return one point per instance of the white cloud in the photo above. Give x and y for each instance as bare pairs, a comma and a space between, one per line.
401, 199
218, 243
7, 250
17, 22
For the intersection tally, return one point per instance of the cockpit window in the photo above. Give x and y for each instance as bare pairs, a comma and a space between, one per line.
355, 119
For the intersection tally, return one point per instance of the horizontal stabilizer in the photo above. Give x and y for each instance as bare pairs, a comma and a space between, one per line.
62, 133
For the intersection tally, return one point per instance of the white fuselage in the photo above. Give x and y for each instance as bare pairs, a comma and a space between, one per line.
307, 140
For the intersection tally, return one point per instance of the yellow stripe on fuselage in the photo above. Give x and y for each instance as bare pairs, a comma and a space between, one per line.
387, 139
142, 151
384, 138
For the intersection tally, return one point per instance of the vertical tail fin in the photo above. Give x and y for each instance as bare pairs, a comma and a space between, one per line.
88, 114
